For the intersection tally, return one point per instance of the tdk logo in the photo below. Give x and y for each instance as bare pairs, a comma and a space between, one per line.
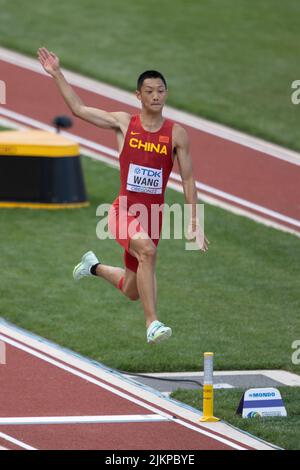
262, 395
149, 172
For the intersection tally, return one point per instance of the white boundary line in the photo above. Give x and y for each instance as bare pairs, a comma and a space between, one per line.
136, 389
8, 438
154, 418
125, 97
112, 160
243, 202
236, 210
283, 376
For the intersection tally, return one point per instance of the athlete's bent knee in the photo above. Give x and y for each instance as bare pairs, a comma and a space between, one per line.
131, 294
133, 297
147, 252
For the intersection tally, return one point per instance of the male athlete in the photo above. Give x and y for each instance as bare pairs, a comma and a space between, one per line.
148, 144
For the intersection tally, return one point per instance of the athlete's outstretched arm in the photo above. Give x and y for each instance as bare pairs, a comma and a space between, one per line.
188, 182
99, 117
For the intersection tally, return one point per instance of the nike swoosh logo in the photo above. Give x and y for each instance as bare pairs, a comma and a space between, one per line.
135, 133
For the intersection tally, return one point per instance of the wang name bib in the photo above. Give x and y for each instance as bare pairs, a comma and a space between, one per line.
142, 179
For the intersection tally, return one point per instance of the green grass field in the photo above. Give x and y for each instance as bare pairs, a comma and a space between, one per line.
283, 432
232, 61
240, 299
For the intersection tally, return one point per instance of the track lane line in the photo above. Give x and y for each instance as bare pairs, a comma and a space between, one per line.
11, 439
101, 419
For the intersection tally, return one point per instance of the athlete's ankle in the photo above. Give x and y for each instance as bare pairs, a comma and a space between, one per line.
150, 320
93, 269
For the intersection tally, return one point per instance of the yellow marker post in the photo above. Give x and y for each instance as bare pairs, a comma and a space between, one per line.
208, 389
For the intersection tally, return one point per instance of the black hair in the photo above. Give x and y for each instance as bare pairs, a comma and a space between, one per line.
150, 74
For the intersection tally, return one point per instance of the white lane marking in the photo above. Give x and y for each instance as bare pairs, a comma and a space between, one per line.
11, 124
82, 419
283, 376
222, 385
173, 184
235, 209
242, 202
125, 97
11, 439
117, 392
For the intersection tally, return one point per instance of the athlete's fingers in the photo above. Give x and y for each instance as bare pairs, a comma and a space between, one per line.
47, 59
201, 240
198, 235
54, 57
42, 50
205, 244
43, 54
42, 60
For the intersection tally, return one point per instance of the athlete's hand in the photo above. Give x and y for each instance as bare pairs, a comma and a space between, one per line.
49, 61
195, 233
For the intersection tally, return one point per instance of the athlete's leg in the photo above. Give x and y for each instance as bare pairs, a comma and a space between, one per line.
129, 287
132, 264
111, 274
140, 257
143, 248
124, 279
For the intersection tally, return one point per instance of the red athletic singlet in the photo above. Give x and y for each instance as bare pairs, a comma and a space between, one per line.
146, 161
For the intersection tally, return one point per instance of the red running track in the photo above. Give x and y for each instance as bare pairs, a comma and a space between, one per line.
237, 170
42, 381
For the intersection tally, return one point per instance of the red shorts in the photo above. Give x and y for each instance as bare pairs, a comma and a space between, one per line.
124, 221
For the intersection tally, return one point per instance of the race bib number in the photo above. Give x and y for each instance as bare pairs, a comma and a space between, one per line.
142, 179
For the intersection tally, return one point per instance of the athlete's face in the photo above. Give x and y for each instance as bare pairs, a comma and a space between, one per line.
152, 94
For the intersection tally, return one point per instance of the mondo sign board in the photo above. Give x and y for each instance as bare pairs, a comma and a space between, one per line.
261, 402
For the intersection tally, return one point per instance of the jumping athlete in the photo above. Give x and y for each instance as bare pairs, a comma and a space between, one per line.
148, 144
